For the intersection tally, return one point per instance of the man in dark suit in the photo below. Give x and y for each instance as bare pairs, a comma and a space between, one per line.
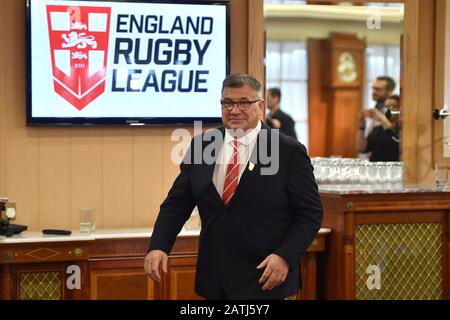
257, 198
278, 119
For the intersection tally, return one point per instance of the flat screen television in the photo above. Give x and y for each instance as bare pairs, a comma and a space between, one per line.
126, 62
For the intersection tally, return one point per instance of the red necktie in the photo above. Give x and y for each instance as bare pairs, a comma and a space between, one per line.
232, 175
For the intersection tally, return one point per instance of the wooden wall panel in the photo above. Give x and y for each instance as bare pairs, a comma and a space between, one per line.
54, 166
182, 284
170, 169
21, 171
425, 98
441, 78
133, 284
117, 178
239, 40
180, 280
20, 144
3, 87
120, 279
255, 40
148, 158
317, 100
419, 47
439, 89
86, 180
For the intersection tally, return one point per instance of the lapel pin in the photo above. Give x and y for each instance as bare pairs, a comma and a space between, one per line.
251, 166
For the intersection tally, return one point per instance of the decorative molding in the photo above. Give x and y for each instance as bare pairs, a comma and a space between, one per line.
344, 13
43, 254
400, 205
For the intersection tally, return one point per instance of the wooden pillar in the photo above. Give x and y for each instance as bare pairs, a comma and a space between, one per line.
317, 99
5, 282
247, 37
309, 281
256, 48
419, 48
247, 34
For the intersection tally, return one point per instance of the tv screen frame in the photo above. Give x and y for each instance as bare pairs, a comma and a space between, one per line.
125, 121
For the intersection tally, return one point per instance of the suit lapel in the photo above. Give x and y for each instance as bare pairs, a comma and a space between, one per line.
209, 171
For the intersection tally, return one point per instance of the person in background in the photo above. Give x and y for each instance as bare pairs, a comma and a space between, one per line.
384, 140
255, 226
277, 119
382, 87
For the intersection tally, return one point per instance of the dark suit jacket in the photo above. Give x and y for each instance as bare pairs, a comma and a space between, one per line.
286, 121
278, 213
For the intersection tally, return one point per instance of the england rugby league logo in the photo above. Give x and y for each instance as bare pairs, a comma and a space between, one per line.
79, 48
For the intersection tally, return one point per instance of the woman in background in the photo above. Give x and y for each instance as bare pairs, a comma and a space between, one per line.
384, 140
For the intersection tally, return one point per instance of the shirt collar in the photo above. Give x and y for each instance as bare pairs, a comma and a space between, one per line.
249, 136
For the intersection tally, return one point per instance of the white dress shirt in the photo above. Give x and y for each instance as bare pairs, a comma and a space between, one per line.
246, 145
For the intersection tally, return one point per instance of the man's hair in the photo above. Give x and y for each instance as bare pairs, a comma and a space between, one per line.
395, 97
390, 83
275, 92
239, 80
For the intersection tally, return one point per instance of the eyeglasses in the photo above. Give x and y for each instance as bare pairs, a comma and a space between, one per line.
242, 104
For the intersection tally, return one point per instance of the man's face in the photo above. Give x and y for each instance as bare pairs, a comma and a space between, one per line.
379, 90
393, 105
241, 117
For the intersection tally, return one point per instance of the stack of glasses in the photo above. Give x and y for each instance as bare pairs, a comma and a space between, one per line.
355, 172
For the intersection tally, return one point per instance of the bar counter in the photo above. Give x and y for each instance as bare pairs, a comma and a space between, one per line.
388, 242
110, 264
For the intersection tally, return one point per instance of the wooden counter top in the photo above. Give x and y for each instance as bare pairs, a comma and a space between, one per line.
38, 237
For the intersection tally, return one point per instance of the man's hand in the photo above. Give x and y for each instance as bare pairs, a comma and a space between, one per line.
366, 113
276, 123
376, 114
363, 114
152, 262
380, 117
275, 273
